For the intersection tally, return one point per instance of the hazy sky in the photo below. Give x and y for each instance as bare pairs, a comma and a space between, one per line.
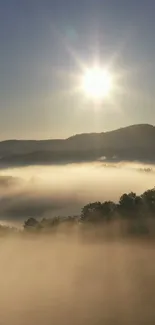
41, 43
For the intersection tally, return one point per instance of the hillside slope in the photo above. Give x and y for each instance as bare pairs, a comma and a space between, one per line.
136, 142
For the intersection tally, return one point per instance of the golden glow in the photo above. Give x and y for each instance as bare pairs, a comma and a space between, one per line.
97, 83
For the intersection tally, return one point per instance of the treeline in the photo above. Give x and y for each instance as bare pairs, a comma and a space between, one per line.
135, 209
137, 212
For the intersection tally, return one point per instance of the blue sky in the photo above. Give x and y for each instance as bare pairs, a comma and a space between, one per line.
37, 39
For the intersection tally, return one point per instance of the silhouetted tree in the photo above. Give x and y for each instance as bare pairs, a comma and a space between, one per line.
108, 210
130, 205
148, 198
98, 211
31, 224
91, 212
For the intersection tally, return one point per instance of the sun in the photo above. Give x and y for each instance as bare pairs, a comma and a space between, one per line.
97, 83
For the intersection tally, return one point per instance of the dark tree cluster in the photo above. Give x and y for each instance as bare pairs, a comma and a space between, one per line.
49, 224
130, 207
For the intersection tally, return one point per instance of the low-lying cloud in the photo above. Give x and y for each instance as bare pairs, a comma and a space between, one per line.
54, 280
62, 190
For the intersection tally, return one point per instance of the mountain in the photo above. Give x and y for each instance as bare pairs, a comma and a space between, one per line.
135, 142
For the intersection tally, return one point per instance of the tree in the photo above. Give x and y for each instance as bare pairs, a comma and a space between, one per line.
31, 224
130, 205
91, 212
108, 210
98, 211
148, 198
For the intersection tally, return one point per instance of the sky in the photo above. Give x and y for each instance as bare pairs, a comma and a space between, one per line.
43, 46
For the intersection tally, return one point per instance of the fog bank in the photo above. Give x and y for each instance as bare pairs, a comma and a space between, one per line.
44, 191
63, 281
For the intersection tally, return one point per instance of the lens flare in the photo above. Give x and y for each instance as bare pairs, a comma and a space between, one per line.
97, 83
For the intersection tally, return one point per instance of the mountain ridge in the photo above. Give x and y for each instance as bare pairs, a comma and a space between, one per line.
134, 142
146, 125
142, 125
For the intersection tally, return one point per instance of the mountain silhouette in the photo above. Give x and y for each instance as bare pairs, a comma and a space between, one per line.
135, 142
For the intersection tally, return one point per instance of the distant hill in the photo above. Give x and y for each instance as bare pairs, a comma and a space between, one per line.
136, 142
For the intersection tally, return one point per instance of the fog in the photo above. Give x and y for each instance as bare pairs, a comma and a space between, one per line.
42, 191
73, 277
55, 280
